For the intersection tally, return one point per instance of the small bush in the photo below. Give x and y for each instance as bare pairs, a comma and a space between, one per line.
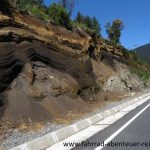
82, 26
36, 11
30, 6
114, 30
139, 66
60, 15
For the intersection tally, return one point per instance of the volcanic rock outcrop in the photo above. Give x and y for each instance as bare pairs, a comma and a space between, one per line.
47, 71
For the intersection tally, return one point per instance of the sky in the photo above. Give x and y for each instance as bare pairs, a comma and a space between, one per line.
135, 15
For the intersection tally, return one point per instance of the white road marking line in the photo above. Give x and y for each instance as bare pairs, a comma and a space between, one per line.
122, 128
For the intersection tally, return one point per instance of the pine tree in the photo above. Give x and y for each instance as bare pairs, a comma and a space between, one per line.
96, 26
79, 18
68, 5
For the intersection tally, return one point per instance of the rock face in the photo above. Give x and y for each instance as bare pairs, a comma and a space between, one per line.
47, 71
124, 80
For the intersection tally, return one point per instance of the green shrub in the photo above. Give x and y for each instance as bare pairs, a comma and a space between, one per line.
36, 11
114, 30
60, 15
82, 26
23, 4
35, 7
139, 66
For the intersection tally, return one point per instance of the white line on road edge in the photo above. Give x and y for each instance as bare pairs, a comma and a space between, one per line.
122, 128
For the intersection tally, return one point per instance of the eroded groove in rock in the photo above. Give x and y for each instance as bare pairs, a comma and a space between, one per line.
19, 54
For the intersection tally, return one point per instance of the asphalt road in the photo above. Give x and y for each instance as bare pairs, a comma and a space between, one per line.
131, 132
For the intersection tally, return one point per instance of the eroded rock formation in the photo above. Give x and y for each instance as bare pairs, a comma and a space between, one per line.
48, 71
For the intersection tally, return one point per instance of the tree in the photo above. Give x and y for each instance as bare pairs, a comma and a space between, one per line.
79, 18
60, 15
64, 3
68, 5
96, 26
114, 30
91, 23
88, 22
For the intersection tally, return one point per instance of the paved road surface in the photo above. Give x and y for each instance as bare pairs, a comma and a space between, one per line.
132, 130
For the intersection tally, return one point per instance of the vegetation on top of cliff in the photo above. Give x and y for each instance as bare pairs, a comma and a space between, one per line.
114, 30
68, 5
88, 22
60, 14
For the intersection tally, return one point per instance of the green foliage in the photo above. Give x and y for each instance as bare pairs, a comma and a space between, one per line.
139, 66
79, 18
68, 5
35, 7
114, 31
36, 11
24, 4
60, 15
96, 25
97, 88
57, 12
80, 25
143, 74
90, 23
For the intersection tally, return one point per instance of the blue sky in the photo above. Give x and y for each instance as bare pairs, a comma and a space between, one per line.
134, 13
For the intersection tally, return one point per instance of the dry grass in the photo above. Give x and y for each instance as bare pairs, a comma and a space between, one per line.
30, 127
69, 118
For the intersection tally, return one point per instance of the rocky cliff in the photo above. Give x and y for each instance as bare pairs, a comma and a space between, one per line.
48, 71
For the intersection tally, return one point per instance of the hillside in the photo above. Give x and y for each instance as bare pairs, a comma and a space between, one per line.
51, 74
144, 52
